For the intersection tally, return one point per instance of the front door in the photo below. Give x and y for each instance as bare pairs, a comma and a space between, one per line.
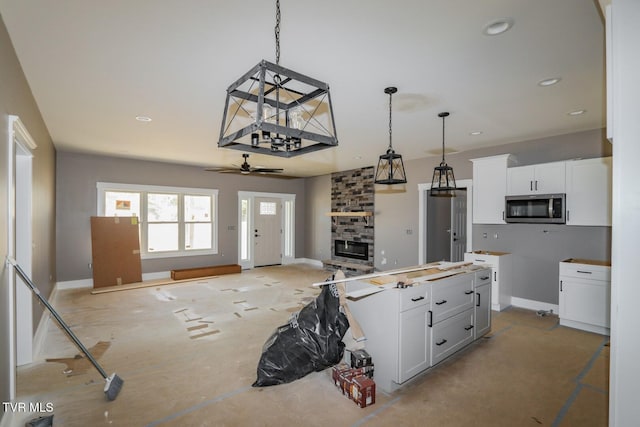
267, 231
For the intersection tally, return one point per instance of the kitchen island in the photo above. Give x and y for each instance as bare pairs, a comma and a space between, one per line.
438, 309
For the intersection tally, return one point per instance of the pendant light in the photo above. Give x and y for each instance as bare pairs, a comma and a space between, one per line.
390, 166
276, 111
443, 183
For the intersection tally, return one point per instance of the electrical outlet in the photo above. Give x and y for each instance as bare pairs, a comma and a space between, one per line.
409, 231
484, 235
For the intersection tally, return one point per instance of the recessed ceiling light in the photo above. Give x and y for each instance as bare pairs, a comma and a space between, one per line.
143, 118
576, 112
549, 82
498, 26
476, 133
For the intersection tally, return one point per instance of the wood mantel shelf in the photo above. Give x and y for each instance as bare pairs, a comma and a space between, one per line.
349, 213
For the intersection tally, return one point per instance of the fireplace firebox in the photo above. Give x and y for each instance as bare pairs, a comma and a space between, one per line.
350, 249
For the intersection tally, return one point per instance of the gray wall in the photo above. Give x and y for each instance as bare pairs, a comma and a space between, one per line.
77, 175
16, 99
396, 215
318, 231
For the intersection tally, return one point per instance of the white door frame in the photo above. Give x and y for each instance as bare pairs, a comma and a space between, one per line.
246, 238
423, 193
19, 224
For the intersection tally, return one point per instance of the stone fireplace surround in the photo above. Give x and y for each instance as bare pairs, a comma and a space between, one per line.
352, 191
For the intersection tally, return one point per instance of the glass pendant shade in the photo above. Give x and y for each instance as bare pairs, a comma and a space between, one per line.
390, 168
443, 183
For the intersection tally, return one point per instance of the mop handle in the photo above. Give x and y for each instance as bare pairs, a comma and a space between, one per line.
61, 322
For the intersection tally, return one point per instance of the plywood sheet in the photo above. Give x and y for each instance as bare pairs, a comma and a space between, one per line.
115, 247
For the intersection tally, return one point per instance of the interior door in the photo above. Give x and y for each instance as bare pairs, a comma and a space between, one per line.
267, 231
458, 233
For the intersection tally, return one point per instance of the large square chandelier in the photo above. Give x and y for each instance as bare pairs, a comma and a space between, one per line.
276, 111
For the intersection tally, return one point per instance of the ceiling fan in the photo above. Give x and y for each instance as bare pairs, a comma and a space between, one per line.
246, 169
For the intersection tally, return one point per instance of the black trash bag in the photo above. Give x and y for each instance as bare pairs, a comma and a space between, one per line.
310, 341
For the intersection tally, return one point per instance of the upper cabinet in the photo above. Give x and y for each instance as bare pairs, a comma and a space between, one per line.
490, 188
589, 192
545, 178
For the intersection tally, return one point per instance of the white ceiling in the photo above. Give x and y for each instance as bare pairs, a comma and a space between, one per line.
93, 66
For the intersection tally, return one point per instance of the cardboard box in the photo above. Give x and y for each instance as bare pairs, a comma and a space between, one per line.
363, 391
115, 247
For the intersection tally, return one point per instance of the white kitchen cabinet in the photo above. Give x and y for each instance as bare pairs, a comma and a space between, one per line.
414, 355
501, 264
490, 188
585, 295
543, 178
409, 330
451, 335
482, 308
589, 192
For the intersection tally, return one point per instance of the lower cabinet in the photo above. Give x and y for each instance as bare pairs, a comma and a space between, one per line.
409, 330
414, 346
585, 295
482, 308
451, 335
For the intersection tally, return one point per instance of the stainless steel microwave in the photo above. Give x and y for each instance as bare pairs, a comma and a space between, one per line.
536, 208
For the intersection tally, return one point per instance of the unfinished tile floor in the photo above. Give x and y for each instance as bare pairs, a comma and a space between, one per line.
188, 355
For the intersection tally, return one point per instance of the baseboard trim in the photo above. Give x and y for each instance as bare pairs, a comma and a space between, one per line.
314, 262
534, 305
88, 283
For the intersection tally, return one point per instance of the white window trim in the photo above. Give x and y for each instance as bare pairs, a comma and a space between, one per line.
114, 186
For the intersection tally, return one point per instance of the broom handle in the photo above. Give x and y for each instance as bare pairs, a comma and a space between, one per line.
61, 322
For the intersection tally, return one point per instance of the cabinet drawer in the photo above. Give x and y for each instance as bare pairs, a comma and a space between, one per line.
451, 297
482, 277
450, 335
414, 296
585, 271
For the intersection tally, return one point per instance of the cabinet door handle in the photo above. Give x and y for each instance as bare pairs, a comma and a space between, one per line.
444, 301
468, 292
536, 185
478, 304
485, 277
560, 285
567, 215
495, 276
479, 260
468, 328
530, 185
441, 342
416, 299
430, 319
583, 272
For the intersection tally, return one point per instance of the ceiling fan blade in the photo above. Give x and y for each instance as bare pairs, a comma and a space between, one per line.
267, 170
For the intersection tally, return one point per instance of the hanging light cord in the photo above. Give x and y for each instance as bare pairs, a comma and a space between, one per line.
390, 146
443, 163
277, 32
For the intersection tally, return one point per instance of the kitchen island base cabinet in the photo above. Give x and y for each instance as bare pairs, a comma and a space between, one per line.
409, 330
501, 276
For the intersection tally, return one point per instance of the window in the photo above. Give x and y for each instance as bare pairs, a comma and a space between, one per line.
174, 221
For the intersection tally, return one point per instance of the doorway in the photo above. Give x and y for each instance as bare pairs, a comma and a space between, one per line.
20, 244
444, 224
266, 228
